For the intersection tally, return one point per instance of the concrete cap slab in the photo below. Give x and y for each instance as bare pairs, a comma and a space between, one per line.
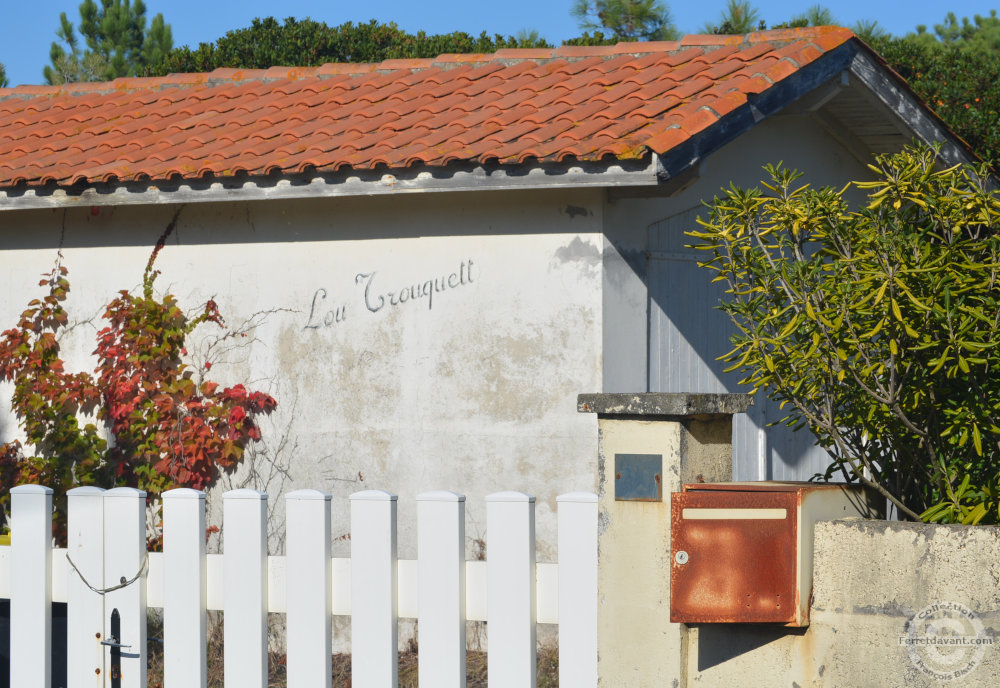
660, 404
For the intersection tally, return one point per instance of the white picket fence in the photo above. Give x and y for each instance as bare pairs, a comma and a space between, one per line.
107, 549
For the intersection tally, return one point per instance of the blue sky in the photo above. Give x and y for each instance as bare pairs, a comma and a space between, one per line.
27, 32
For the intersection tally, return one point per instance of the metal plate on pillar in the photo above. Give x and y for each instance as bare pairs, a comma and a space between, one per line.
639, 477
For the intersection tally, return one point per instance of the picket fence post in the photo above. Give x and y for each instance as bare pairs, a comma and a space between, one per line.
85, 658
512, 658
31, 587
577, 589
374, 591
308, 596
184, 589
244, 524
441, 581
125, 563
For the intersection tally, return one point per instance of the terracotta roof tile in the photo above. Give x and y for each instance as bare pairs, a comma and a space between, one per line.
700, 119
755, 51
549, 131
783, 68
800, 54
722, 69
727, 103
692, 86
616, 92
577, 66
580, 95
682, 56
585, 103
545, 68
654, 108
667, 139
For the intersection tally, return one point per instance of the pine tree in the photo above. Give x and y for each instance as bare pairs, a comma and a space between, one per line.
117, 43
739, 17
628, 20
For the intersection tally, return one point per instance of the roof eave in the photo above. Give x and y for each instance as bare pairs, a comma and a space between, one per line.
416, 179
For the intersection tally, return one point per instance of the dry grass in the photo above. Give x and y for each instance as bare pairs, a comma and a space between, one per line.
475, 662
475, 669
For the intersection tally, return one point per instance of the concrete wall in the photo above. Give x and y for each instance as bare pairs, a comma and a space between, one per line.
472, 389
871, 579
884, 596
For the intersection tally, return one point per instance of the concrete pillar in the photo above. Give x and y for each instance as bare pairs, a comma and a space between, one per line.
649, 445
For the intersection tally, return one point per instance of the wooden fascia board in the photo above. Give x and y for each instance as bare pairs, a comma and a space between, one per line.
911, 116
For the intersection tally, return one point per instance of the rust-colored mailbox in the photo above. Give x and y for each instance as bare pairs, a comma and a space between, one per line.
743, 552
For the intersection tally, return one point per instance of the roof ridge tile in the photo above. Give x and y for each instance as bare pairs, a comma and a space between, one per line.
223, 74
585, 51
524, 54
637, 48
406, 63
463, 58
836, 33
351, 68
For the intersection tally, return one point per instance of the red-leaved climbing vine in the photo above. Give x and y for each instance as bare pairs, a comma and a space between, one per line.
164, 425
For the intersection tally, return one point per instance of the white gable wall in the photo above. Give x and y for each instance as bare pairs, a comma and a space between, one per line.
653, 287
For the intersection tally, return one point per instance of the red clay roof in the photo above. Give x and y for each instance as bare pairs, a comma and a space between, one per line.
587, 103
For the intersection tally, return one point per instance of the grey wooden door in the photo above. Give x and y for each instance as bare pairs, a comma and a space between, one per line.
687, 333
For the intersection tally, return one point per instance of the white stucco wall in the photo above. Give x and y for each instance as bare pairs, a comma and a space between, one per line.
471, 389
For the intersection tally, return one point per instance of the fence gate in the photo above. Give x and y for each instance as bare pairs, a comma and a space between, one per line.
106, 588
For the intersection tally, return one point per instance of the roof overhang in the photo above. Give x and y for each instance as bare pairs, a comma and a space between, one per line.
645, 172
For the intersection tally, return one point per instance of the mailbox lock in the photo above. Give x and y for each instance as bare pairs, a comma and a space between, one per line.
681, 557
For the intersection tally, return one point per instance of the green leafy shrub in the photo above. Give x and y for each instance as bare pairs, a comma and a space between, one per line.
307, 43
878, 328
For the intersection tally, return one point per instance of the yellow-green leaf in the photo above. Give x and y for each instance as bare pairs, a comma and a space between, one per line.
875, 330
895, 309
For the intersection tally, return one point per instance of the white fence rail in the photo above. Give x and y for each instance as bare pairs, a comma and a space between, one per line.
106, 552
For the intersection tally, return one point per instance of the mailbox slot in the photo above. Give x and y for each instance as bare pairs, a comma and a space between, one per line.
742, 552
